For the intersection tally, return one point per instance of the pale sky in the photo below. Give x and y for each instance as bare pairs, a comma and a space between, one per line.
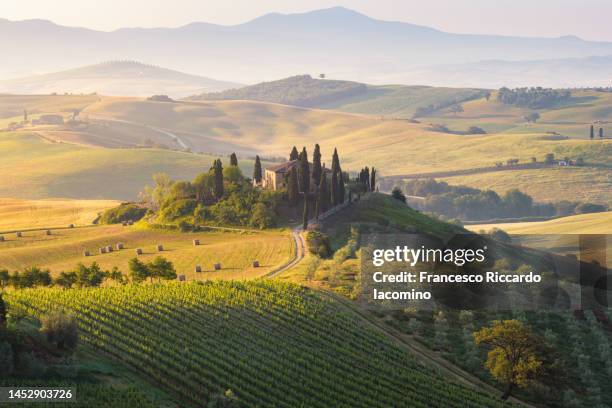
588, 19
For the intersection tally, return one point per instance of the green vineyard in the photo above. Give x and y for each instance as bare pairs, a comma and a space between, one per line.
273, 344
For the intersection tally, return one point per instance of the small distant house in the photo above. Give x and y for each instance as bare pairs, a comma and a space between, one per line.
276, 177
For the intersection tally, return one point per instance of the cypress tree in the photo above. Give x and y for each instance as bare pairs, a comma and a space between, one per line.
218, 172
305, 214
316, 165
323, 200
366, 178
257, 172
293, 192
233, 159
294, 154
3, 312
304, 172
334, 189
335, 161
373, 179
592, 133
341, 190
601, 133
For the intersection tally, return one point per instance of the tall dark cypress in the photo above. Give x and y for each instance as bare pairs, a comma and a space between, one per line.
373, 179
601, 133
293, 191
335, 161
233, 159
304, 172
316, 165
257, 171
592, 133
305, 214
341, 190
218, 172
323, 200
294, 154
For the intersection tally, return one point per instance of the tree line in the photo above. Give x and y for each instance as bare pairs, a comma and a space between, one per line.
533, 97
89, 276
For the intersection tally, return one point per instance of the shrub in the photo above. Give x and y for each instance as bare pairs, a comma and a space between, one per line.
500, 235
177, 209
318, 244
262, 217
398, 195
61, 330
587, 208
28, 366
475, 130
122, 213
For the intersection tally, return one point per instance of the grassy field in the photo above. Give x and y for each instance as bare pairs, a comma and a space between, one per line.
572, 119
13, 106
547, 185
236, 251
597, 223
16, 214
258, 339
32, 167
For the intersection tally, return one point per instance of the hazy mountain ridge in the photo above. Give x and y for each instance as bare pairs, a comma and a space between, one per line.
120, 78
337, 41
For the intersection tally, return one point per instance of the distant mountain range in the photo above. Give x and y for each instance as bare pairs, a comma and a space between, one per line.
337, 41
120, 78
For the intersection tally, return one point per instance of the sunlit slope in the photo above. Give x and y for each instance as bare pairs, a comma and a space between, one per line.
63, 249
394, 146
16, 214
572, 119
32, 167
585, 184
260, 339
597, 223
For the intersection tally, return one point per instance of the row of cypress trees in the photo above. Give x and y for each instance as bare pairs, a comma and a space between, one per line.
367, 177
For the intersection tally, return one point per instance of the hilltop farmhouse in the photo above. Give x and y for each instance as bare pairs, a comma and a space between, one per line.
275, 177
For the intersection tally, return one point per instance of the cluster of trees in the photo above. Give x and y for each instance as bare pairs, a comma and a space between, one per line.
221, 195
327, 191
367, 178
468, 203
123, 213
25, 350
89, 276
533, 97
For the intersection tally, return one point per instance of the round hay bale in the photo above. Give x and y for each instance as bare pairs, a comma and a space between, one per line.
86, 253
48, 232
160, 248
217, 267
71, 226
138, 251
102, 250
1, 238
109, 248
198, 268
124, 223
255, 264
130, 222
18, 234
119, 246
182, 278
196, 242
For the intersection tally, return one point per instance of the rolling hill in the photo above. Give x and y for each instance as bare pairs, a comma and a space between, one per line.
120, 78
348, 96
338, 41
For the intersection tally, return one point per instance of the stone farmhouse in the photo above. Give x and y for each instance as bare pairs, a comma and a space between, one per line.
275, 177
